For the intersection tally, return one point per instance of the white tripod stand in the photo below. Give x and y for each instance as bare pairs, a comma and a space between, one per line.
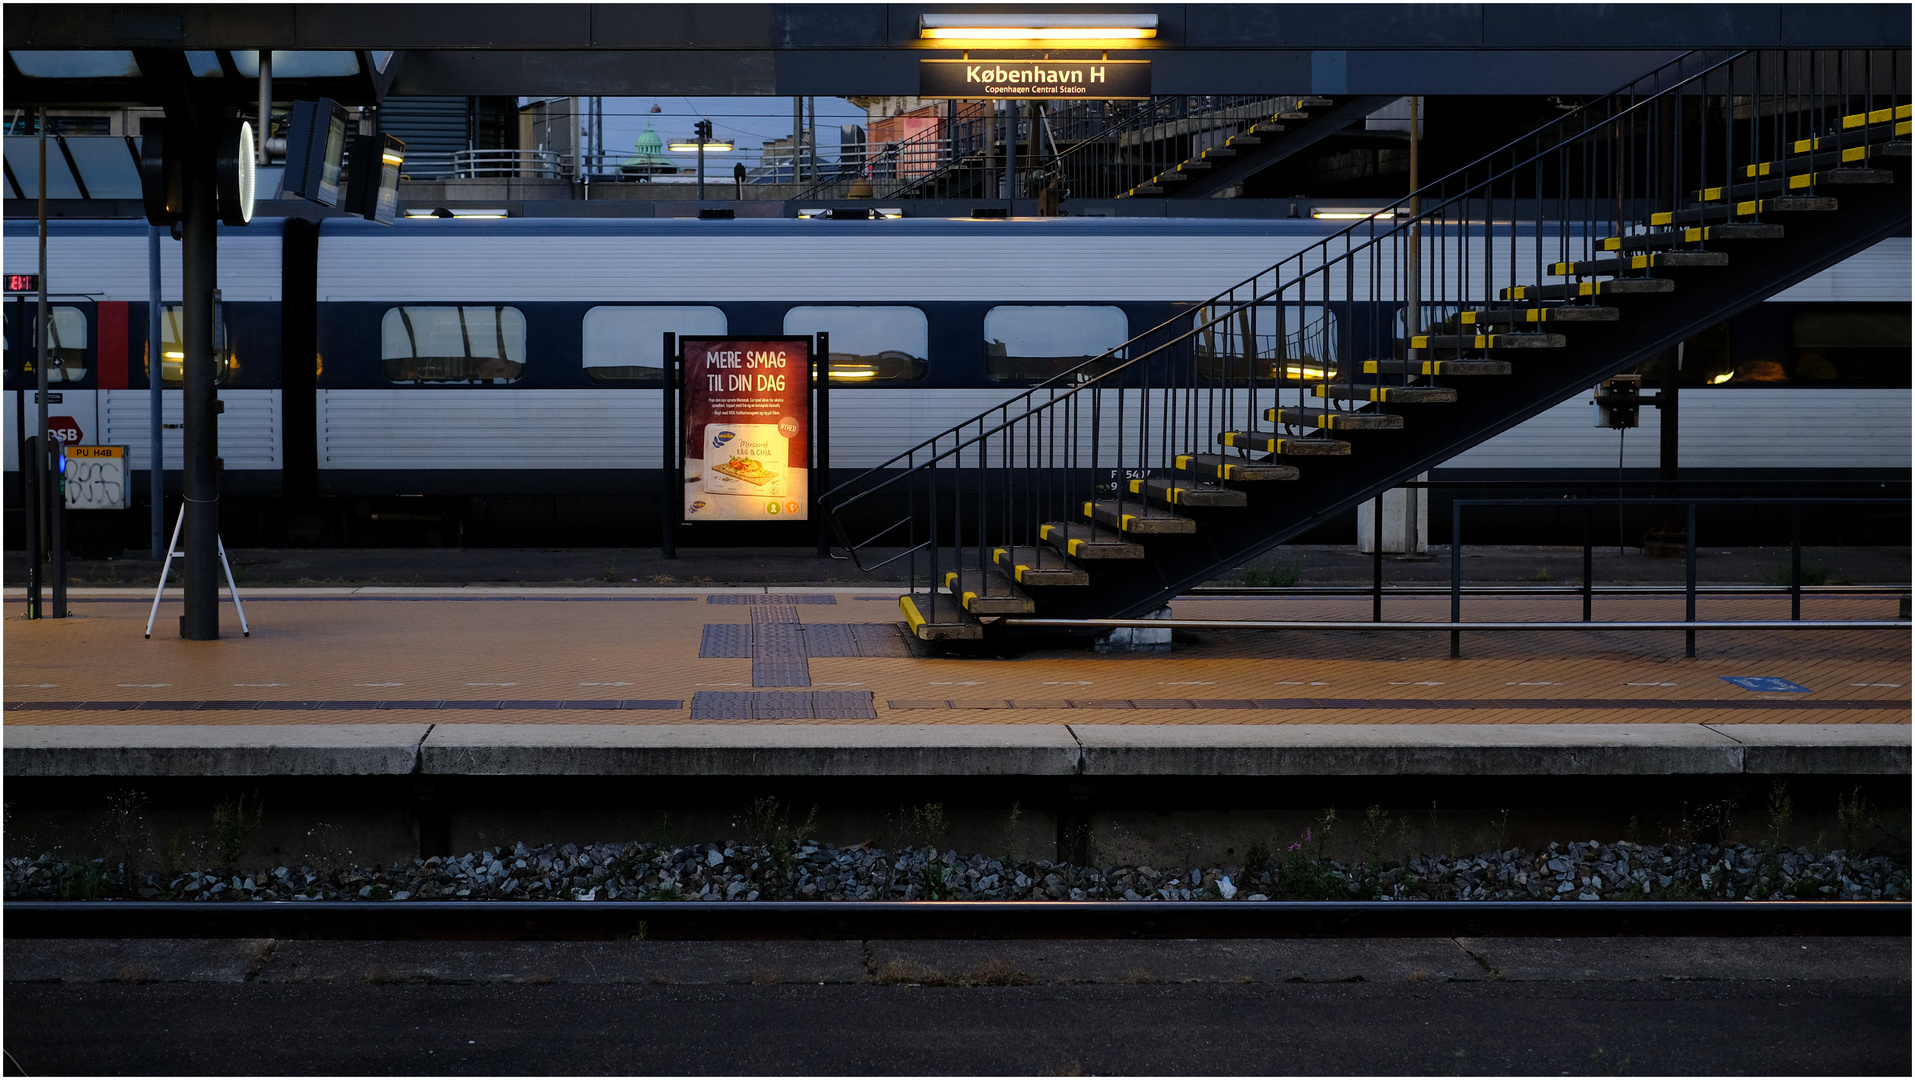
173, 552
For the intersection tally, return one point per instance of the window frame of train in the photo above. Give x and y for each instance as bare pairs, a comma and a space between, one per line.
58, 370
886, 366
514, 370
639, 338
694, 384
172, 333
1213, 366
1010, 369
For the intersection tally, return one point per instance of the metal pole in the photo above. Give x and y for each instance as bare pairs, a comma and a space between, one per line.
199, 261
821, 439
155, 362
669, 444
1413, 293
701, 168
56, 475
22, 455
1010, 150
811, 139
30, 490
46, 482
1456, 576
1589, 566
1689, 586
1795, 562
40, 348
797, 138
265, 103
1376, 560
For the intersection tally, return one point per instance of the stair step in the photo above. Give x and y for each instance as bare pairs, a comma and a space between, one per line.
1436, 367
1219, 152
1403, 395
1877, 116
1269, 442
1333, 419
1851, 137
1145, 189
988, 591
1039, 566
1195, 165
1576, 289
1660, 260
1523, 316
1802, 181
938, 617
1138, 519
1488, 341
1083, 540
1830, 158
1246, 138
1234, 469
1675, 237
1185, 493
1314, 103
1798, 204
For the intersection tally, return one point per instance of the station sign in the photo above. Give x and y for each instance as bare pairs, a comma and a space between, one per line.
746, 428
972, 79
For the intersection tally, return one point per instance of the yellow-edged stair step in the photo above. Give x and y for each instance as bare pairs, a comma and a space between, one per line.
938, 617
1039, 565
1658, 260
1269, 442
1651, 241
1084, 540
988, 591
1488, 341
1436, 367
1134, 518
1234, 469
1185, 493
1333, 419
1579, 289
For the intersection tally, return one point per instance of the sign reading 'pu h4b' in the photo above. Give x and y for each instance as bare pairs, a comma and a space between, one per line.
1103, 79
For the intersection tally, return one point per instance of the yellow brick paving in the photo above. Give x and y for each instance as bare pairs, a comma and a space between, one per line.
574, 646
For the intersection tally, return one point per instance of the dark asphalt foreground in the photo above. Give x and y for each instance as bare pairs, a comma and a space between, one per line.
1774, 1006
641, 567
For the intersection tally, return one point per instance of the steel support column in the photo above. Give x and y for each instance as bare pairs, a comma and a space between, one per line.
200, 465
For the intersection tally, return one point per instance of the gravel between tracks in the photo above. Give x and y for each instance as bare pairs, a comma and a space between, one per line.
814, 871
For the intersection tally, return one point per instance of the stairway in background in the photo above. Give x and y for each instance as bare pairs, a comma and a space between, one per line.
1581, 250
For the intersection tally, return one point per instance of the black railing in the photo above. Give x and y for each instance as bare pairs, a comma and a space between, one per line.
1261, 367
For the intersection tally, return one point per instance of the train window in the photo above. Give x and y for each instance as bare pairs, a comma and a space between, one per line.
869, 345
626, 344
1030, 344
1851, 348
173, 348
66, 345
1294, 342
478, 343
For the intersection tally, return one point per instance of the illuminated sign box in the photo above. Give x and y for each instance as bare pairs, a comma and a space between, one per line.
746, 428
976, 79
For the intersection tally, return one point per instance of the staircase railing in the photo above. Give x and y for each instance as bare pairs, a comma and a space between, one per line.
1356, 316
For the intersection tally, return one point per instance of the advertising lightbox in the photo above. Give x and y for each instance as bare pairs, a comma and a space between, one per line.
746, 429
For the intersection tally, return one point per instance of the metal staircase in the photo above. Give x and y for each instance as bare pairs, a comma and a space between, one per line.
1578, 251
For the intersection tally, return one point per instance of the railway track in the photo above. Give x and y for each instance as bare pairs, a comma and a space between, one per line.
496, 920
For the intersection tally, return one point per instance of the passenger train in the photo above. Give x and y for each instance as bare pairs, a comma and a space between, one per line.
497, 381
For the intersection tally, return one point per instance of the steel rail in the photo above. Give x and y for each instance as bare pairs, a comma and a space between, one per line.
1249, 591
1276, 624
556, 920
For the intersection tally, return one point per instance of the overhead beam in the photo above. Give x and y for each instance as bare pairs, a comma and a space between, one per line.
673, 27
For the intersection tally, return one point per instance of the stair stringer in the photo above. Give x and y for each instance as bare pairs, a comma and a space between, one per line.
1486, 407
1253, 160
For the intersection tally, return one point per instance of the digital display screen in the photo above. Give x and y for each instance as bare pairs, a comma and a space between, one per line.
332, 161
17, 283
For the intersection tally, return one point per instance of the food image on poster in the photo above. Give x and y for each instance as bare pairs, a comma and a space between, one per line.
746, 429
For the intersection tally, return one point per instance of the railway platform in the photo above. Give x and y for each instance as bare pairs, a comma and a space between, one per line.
431, 719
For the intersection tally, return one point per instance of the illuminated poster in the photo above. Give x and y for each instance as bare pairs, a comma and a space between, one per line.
747, 429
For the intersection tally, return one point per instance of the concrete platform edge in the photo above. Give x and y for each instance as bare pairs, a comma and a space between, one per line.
954, 750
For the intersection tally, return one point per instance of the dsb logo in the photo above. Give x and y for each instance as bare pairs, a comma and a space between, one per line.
65, 430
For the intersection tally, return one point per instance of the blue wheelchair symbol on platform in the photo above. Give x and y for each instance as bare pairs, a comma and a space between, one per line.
1766, 684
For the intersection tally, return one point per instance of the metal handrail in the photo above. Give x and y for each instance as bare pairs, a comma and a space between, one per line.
1485, 237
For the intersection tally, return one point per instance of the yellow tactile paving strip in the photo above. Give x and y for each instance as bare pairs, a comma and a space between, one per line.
455, 646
